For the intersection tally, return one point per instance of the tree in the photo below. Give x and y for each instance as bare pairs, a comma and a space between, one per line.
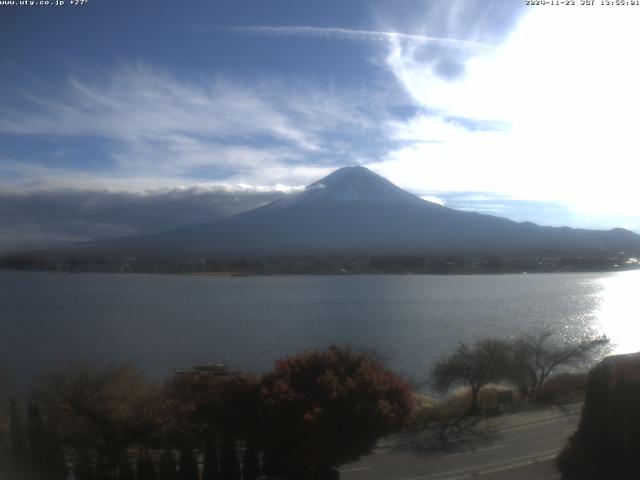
229, 468
37, 441
5, 456
167, 469
199, 402
537, 355
83, 466
46, 458
56, 461
104, 409
145, 469
125, 472
473, 366
210, 460
17, 437
35, 429
326, 408
251, 463
7, 465
188, 464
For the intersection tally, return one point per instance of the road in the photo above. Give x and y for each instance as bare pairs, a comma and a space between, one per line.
520, 446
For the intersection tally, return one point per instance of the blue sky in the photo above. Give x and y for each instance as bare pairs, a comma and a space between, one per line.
487, 105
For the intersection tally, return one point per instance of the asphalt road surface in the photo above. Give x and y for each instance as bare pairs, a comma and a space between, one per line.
519, 446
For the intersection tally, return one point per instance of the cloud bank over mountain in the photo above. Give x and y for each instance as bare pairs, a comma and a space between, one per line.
52, 217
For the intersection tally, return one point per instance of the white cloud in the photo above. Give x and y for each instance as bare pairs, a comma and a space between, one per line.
369, 35
139, 103
18, 177
426, 128
30, 219
565, 83
164, 129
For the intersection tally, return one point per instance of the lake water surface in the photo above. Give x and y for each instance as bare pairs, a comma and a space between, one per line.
165, 322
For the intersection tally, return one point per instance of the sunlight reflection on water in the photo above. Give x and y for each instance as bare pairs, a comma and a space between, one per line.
163, 322
617, 315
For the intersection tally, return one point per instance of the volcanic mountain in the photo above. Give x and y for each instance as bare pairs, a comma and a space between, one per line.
354, 210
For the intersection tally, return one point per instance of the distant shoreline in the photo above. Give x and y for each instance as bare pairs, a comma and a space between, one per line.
328, 264
303, 274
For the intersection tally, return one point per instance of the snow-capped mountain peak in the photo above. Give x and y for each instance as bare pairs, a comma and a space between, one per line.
354, 184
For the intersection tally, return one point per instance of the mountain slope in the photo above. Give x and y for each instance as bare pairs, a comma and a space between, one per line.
354, 210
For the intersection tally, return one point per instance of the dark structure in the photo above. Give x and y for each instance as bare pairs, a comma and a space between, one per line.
607, 442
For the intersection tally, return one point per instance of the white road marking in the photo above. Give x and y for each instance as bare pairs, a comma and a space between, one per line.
516, 465
569, 430
478, 450
355, 469
520, 461
532, 424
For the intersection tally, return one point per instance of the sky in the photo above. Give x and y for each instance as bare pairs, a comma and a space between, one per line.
120, 117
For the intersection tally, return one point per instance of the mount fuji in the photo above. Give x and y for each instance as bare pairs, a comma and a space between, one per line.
355, 211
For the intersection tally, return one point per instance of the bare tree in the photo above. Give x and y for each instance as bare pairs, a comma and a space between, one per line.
100, 408
537, 355
473, 366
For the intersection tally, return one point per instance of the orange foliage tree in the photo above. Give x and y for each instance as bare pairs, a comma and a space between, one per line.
327, 408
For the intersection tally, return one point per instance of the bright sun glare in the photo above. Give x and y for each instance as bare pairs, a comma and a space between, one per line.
564, 85
617, 314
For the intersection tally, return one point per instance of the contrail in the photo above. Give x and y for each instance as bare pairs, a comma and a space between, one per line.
332, 32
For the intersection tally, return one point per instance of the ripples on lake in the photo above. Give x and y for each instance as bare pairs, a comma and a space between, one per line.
167, 322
